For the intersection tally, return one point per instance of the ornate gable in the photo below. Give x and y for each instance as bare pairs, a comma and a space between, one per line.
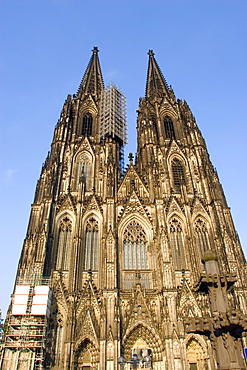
187, 304
93, 205
167, 108
87, 328
84, 145
88, 103
132, 182
198, 207
138, 312
174, 149
134, 206
66, 202
174, 206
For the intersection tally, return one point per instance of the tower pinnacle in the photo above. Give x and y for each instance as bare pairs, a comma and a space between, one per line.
92, 82
156, 83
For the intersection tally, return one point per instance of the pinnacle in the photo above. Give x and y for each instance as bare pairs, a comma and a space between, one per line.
156, 83
92, 82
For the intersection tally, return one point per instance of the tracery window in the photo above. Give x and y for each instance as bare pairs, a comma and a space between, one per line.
135, 247
169, 128
83, 171
64, 244
177, 244
178, 174
90, 261
202, 235
87, 124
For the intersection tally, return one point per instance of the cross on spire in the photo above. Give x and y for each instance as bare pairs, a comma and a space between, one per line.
156, 83
95, 50
92, 82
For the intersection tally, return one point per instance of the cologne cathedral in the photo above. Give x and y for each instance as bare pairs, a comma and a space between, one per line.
128, 268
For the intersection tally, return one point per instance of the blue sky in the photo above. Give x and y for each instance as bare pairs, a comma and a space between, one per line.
200, 45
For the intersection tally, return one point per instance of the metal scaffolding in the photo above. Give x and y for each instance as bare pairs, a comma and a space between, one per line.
113, 116
24, 345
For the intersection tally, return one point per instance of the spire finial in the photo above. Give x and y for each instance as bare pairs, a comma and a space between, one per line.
131, 158
95, 50
156, 83
92, 82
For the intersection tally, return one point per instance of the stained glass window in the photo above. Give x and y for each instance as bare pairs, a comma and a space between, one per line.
90, 261
64, 244
135, 247
83, 170
169, 128
177, 244
178, 174
87, 124
202, 235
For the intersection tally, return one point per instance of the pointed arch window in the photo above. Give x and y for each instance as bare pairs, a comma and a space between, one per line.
87, 124
202, 235
177, 244
135, 247
83, 171
178, 174
90, 261
169, 128
64, 244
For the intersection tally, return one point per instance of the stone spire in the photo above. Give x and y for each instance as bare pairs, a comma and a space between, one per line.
156, 83
92, 82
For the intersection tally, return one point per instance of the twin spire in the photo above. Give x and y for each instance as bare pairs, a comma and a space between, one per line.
92, 82
156, 83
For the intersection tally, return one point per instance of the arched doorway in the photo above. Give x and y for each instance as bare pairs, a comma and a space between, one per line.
196, 354
142, 341
86, 356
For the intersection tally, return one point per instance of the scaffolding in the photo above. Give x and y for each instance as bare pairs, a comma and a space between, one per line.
113, 116
24, 342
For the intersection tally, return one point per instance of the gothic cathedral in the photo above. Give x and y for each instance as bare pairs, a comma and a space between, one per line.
128, 268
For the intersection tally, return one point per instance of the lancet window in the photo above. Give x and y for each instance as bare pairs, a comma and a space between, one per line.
87, 124
177, 244
169, 128
202, 235
64, 244
135, 247
91, 249
83, 171
178, 174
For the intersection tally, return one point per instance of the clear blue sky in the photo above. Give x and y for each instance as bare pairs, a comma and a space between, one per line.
200, 45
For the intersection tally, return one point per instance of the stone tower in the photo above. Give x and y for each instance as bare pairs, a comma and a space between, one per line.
139, 268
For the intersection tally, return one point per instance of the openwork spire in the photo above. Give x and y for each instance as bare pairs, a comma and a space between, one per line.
156, 83
92, 82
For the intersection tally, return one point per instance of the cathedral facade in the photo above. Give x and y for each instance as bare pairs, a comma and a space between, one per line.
128, 268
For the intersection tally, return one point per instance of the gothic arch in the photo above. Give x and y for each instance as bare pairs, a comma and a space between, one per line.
91, 237
147, 335
167, 111
196, 352
143, 221
176, 233
177, 154
169, 128
144, 224
90, 110
83, 169
176, 157
202, 233
63, 239
86, 354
